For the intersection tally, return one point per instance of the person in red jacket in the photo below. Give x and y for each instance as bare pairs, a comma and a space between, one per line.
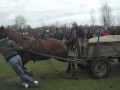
105, 33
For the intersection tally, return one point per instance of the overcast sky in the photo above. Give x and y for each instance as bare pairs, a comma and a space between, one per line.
48, 12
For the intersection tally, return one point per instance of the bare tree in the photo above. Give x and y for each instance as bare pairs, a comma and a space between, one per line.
20, 22
57, 23
118, 19
92, 15
106, 15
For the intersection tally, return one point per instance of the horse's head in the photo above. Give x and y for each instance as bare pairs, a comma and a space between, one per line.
16, 36
12, 35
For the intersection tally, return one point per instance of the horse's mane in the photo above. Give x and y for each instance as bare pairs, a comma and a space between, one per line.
26, 36
19, 34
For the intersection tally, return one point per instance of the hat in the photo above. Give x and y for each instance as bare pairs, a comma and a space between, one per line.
47, 30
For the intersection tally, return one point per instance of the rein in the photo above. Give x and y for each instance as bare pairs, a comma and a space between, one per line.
55, 71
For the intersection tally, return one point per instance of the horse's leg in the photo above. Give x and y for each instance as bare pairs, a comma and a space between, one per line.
25, 59
73, 69
74, 47
73, 76
68, 68
27, 71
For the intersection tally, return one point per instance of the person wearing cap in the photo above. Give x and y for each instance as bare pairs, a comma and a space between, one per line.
9, 49
47, 31
47, 34
78, 33
88, 33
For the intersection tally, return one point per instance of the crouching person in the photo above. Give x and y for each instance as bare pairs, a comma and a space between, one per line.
8, 49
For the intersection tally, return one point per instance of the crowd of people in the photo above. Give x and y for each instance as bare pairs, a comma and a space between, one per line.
104, 31
79, 31
60, 34
57, 34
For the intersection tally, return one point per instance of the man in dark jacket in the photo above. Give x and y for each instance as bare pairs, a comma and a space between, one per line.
88, 34
78, 33
8, 49
58, 34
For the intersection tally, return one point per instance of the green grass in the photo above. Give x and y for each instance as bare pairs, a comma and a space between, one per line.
50, 81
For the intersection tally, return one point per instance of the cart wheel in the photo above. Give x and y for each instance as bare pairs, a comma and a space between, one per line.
100, 68
119, 59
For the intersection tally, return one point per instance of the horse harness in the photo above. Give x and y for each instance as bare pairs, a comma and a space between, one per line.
34, 42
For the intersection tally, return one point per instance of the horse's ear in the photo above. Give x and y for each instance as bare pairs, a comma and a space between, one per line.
2, 28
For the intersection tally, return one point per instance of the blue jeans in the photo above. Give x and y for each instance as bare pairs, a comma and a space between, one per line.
16, 64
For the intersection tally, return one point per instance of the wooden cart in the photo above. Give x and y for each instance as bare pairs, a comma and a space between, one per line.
97, 54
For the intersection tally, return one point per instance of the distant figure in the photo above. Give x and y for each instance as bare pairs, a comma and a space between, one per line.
47, 34
67, 35
115, 31
58, 34
99, 31
88, 34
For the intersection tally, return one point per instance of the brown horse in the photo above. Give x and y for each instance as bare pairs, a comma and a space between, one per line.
50, 46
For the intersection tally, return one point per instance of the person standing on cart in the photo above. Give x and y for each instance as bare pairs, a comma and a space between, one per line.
78, 33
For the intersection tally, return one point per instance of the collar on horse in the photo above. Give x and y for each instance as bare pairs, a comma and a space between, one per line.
35, 43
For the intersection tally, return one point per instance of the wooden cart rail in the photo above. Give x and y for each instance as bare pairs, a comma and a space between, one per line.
68, 59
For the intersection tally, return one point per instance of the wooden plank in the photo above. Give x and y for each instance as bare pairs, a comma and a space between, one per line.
105, 50
109, 46
71, 60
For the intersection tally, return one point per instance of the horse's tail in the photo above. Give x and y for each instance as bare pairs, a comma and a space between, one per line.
68, 42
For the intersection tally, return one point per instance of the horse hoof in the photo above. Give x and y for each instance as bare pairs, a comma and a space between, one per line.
29, 73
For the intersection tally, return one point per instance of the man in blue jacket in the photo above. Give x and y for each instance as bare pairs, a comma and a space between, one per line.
78, 33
